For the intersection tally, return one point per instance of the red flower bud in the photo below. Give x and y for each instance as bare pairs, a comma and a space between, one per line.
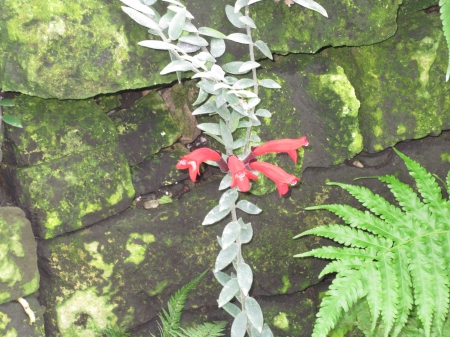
193, 160
290, 146
277, 174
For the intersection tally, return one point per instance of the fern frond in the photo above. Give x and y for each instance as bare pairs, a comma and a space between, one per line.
379, 206
403, 263
362, 220
428, 188
170, 320
349, 237
206, 330
445, 18
448, 182
329, 252
409, 201
345, 290
405, 298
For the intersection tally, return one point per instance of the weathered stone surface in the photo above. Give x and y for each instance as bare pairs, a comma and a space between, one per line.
14, 322
67, 50
409, 6
54, 129
406, 97
19, 276
146, 128
72, 192
158, 170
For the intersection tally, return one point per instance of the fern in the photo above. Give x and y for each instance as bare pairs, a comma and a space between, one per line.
170, 319
396, 259
445, 18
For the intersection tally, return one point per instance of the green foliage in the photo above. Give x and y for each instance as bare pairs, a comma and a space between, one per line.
170, 319
445, 18
395, 258
114, 331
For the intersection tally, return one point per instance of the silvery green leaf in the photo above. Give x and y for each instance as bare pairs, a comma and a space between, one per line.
239, 38
177, 24
251, 2
243, 93
173, 57
225, 257
177, 65
224, 112
248, 66
248, 21
215, 215
263, 113
240, 109
233, 17
218, 72
219, 241
208, 86
195, 62
266, 332
221, 85
246, 232
225, 182
255, 139
232, 309
243, 83
233, 67
187, 47
268, 83
219, 139
226, 134
222, 277
166, 19
176, 9
137, 5
206, 108
6, 102
230, 80
217, 47
195, 40
248, 207
202, 96
204, 56
243, 124
238, 144
254, 313
262, 46
210, 128
312, 5
221, 99
211, 32
189, 27
234, 121
155, 44
245, 277
239, 4
239, 326
230, 233
140, 18
255, 333
11, 120
175, 2
148, 2
252, 102
232, 99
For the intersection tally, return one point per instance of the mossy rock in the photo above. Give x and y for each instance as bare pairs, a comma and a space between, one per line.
406, 97
146, 128
72, 192
54, 129
14, 322
159, 170
18, 260
81, 49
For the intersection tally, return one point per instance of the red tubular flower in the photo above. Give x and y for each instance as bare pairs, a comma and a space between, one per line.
239, 174
193, 160
290, 146
277, 174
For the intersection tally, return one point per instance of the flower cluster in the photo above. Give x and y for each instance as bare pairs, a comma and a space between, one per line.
241, 170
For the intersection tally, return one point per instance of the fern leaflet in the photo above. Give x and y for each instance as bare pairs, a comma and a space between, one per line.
397, 259
445, 18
